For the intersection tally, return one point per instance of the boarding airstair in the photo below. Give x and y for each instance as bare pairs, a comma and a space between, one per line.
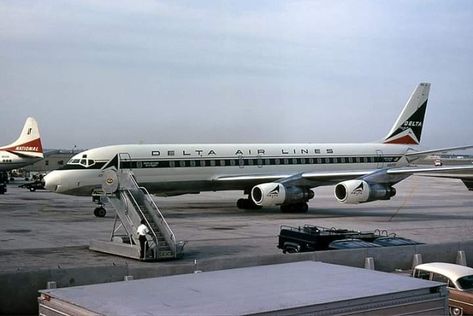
132, 204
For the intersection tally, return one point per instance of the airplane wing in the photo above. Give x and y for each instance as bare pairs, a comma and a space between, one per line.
418, 154
431, 170
308, 179
391, 175
387, 175
322, 176
463, 173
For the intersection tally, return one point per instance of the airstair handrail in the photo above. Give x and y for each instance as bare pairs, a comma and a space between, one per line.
137, 206
163, 220
166, 225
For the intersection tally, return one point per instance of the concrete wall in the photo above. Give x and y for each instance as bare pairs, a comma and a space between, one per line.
19, 290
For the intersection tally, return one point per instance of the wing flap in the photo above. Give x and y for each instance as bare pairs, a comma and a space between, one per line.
314, 179
432, 170
335, 175
255, 177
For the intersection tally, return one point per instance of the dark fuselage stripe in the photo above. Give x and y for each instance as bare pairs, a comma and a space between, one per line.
238, 162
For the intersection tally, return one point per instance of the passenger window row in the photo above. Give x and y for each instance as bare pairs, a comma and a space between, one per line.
251, 162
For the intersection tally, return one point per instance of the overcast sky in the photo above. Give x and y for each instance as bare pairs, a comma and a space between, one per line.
95, 73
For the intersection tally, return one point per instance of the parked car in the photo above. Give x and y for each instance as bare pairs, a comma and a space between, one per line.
459, 280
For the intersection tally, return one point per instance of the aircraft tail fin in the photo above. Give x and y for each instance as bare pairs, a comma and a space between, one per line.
28, 143
408, 127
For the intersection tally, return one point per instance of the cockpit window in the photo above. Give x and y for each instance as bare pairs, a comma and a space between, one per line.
84, 162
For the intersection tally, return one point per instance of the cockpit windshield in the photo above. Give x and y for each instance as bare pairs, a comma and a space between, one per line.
84, 161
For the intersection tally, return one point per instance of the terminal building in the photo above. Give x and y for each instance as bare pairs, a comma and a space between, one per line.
53, 159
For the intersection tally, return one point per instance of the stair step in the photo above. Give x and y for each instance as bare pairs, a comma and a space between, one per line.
165, 254
136, 201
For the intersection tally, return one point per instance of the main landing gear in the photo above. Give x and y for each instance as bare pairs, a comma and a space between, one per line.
295, 208
247, 204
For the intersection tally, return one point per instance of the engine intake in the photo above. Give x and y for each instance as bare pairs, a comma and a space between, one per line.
270, 194
360, 191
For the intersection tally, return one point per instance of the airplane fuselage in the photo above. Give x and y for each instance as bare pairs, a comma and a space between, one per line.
176, 169
9, 161
270, 174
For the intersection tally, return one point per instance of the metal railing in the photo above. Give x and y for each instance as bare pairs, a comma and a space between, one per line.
137, 207
165, 225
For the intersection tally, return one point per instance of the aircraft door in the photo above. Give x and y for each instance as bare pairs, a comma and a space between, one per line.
259, 161
379, 159
241, 161
124, 161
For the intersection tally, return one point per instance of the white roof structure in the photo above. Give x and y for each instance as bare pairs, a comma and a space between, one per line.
297, 287
450, 270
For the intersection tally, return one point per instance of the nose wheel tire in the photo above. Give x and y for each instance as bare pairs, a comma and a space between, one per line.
100, 212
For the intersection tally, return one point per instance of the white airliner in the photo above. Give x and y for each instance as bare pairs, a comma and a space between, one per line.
26, 150
271, 174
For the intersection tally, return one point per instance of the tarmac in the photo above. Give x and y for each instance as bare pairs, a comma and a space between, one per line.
44, 236
34, 226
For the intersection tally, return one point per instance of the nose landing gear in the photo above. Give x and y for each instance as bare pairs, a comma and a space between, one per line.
100, 210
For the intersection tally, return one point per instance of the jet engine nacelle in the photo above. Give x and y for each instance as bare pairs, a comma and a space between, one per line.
270, 194
360, 191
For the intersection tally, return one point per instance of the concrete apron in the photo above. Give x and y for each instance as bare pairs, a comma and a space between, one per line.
19, 290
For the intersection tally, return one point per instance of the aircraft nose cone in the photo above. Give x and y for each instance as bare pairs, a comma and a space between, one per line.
52, 181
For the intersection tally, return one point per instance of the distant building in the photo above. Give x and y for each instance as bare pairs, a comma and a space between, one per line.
53, 159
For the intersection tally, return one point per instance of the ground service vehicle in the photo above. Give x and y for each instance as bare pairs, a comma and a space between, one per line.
3, 182
315, 238
33, 186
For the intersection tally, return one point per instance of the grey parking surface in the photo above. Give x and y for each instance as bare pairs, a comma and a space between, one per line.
42, 229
